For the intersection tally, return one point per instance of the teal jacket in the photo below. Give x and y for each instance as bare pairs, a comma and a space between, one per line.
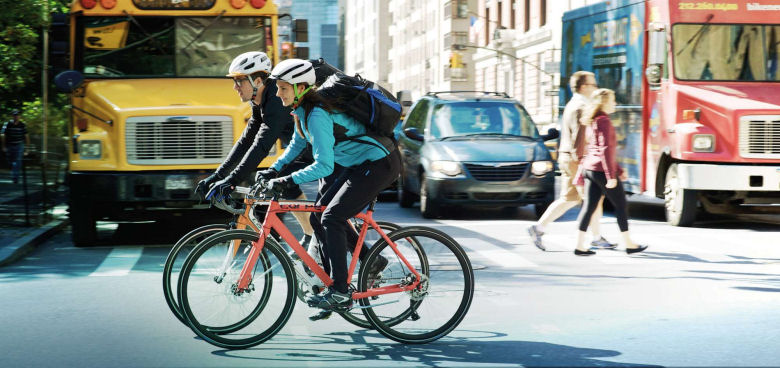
324, 148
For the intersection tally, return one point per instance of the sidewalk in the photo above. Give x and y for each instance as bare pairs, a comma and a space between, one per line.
20, 234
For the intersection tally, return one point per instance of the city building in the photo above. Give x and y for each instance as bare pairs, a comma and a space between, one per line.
517, 45
324, 19
366, 39
422, 51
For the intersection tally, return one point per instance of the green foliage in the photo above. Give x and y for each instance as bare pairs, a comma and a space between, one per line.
22, 22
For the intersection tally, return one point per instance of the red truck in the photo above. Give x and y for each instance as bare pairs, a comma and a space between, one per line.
698, 92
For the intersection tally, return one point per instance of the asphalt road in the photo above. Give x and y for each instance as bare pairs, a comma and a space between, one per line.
703, 296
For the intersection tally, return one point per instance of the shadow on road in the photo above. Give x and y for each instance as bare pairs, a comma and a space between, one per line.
465, 351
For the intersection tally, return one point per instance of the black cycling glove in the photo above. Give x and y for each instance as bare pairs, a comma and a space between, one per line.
279, 185
204, 185
266, 175
222, 188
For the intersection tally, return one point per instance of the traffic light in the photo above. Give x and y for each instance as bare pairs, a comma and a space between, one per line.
456, 60
59, 49
287, 50
300, 30
302, 52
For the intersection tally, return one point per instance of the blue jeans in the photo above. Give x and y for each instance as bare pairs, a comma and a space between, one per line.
15, 151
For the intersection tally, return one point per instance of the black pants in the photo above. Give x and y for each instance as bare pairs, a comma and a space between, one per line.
595, 187
346, 192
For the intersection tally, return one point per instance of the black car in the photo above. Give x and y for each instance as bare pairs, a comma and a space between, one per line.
473, 149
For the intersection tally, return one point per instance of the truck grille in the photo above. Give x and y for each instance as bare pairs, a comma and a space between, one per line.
759, 136
171, 140
495, 171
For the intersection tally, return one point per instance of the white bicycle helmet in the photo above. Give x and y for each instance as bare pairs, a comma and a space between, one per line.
248, 63
295, 71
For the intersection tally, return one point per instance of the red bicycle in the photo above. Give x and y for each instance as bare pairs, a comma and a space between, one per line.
245, 279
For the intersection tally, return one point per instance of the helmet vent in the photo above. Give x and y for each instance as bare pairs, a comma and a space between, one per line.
250, 66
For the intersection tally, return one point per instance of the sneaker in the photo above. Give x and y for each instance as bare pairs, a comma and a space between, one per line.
377, 267
331, 300
320, 315
602, 243
536, 235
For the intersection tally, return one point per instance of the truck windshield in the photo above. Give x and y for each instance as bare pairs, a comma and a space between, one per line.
481, 118
117, 47
743, 52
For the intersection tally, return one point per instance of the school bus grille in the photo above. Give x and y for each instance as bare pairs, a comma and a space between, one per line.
759, 136
176, 140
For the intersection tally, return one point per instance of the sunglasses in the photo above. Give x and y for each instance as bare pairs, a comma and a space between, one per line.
237, 81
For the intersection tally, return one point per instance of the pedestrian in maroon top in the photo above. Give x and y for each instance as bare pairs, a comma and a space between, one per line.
601, 172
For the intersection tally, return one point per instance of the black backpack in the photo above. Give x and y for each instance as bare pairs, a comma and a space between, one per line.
365, 101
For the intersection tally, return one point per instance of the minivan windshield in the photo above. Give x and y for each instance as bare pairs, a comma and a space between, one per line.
726, 52
477, 118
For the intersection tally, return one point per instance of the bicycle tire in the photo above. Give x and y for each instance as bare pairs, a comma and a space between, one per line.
274, 257
356, 316
449, 269
192, 239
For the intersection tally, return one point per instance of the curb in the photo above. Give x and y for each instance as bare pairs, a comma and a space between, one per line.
19, 248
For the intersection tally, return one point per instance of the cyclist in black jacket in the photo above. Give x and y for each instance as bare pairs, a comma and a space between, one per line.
270, 121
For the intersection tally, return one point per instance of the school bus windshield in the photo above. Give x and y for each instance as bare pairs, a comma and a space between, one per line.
725, 52
143, 47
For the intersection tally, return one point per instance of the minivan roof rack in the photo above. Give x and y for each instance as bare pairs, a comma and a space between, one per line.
500, 94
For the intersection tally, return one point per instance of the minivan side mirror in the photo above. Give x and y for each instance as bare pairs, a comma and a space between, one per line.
413, 134
552, 133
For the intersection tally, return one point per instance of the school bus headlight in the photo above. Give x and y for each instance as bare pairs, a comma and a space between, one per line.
703, 143
540, 168
90, 150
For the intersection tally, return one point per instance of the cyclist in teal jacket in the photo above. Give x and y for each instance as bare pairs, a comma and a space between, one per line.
351, 173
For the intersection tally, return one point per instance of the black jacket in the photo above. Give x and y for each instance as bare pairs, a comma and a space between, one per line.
270, 121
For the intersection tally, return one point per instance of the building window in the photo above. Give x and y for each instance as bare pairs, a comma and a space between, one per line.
543, 12
486, 28
527, 16
512, 15
500, 16
458, 9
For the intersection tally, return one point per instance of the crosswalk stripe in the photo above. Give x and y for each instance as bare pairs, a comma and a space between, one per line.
495, 254
119, 262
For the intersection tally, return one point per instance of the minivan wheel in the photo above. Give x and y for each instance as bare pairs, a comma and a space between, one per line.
427, 207
405, 198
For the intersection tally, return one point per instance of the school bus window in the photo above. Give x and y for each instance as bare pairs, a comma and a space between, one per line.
168, 46
173, 4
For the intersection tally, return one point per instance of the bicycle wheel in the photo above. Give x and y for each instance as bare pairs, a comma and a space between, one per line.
176, 258
438, 304
206, 290
356, 316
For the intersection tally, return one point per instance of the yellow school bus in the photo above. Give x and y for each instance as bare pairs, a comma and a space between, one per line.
155, 113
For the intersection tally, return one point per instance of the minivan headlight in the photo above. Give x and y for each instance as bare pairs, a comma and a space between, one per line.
540, 168
91, 150
449, 168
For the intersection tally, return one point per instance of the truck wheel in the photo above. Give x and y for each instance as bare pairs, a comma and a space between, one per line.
428, 209
679, 203
83, 224
405, 198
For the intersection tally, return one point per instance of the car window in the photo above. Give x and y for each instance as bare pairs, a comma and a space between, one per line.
416, 118
468, 118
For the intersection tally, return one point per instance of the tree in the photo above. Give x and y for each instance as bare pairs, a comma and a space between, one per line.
22, 22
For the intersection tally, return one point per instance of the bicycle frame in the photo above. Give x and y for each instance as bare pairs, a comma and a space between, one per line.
272, 221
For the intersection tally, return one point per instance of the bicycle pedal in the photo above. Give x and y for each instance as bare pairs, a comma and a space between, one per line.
322, 314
